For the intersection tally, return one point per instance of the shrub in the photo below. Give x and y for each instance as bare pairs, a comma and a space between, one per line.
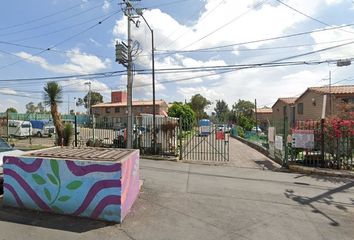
68, 134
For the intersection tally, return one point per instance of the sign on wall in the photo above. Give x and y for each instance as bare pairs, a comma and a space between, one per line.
271, 134
279, 142
303, 139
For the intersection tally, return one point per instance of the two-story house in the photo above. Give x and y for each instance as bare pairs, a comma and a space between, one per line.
114, 113
309, 105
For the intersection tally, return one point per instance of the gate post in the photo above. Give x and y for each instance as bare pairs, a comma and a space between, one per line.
180, 139
322, 143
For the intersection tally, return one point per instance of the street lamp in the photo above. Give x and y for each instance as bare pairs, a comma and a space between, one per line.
139, 11
89, 98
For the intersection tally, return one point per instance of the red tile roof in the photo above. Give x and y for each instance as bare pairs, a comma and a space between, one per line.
135, 103
264, 110
345, 89
288, 100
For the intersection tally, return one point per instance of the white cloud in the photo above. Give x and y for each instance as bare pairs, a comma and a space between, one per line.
79, 63
334, 36
106, 6
268, 20
7, 91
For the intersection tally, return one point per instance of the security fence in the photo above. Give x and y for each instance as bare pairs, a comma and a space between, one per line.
327, 143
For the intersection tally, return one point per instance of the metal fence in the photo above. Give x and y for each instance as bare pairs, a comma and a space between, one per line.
327, 144
209, 143
103, 133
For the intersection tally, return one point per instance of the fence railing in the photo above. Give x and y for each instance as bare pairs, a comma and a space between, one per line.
327, 144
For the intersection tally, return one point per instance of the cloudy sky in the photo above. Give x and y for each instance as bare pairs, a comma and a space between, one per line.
49, 38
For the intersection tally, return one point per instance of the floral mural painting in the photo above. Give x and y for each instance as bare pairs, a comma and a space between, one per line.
54, 179
98, 190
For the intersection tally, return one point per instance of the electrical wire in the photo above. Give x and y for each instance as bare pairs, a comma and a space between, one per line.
308, 16
226, 24
41, 18
60, 42
51, 23
264, 39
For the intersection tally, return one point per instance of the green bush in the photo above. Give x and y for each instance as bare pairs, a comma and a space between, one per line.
68, 134
240, 131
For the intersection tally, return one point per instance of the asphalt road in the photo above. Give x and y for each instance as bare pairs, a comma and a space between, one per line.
189, 201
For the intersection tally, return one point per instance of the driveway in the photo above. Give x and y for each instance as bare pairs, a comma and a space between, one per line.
243, 156
189, 201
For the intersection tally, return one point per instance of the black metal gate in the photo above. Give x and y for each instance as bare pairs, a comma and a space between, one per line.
208, 145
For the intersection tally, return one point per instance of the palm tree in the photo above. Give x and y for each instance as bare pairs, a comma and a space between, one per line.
53, 94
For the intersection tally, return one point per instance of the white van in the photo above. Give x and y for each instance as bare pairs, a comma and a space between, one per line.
20, 128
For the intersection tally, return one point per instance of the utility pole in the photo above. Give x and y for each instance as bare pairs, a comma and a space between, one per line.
330, 92
128, 13
89, 98
255, 111
139, 11
68, 104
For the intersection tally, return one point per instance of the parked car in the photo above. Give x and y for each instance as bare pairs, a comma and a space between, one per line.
42, 128
19, 128
257, 130
224, 127
6, 150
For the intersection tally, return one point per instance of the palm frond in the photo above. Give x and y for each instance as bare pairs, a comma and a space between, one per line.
53, 93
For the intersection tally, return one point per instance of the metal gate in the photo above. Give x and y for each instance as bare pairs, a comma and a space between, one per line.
211, 145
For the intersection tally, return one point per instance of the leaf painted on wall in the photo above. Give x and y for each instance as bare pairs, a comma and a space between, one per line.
57, 209
74, 185
64, 198
47, 194
55, 167
52, 179
38, 179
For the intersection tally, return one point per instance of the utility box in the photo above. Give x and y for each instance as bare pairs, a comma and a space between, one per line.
95, 183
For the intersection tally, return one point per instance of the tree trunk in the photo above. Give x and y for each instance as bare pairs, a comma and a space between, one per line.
59, 127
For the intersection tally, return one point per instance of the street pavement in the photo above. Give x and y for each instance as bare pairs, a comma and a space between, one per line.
190, 201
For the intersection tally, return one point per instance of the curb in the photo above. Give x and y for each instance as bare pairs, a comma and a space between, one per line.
321, 172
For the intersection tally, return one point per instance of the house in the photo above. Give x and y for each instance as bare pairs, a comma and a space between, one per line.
309, 105
114, 113
264, 117
283, 113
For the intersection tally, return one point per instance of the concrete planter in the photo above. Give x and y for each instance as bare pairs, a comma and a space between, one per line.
92, 182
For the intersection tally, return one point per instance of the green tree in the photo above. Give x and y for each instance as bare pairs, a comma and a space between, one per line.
221, 110
185, 112
199, 103
31, 107
242, 112
243, 108
40, 108
96, 98
53, 94
11, 110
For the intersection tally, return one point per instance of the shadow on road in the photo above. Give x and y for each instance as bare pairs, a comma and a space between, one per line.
325, 198
46, 220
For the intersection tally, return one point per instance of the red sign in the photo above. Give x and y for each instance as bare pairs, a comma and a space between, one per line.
220, 135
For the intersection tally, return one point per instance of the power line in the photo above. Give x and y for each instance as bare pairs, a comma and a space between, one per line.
308, 16
200, 20
61, 42
163, 52
265, 39
228, 23
51, 23
41, 18
61, 29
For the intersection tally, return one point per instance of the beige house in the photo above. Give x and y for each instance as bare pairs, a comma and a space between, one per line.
114, 113
264, 117
283, 112
309, 105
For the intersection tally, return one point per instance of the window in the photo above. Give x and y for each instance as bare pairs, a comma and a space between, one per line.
300, 108
116, 109
108, 110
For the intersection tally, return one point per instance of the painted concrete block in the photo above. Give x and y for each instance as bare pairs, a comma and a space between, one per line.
96, 189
